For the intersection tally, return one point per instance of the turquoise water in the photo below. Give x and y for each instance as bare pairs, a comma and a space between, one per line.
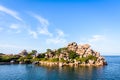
32, 72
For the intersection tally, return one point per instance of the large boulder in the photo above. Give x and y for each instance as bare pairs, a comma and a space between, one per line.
97, 54
72, 46
80, 51
89, 51
100, 61
91, 61
85, 46
83, 49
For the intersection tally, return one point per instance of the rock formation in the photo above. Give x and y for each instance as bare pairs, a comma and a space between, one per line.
72, 54
77, 54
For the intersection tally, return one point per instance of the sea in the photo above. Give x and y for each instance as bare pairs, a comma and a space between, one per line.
35, 72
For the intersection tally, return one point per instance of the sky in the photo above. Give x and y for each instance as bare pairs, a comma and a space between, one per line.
43, 24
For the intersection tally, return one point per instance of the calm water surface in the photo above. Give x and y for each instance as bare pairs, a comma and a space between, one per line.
31, 72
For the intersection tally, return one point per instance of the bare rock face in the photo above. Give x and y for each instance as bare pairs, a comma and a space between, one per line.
80, 52
85, 46
72, 46
97, 54
84, 51
91, 62
76, 54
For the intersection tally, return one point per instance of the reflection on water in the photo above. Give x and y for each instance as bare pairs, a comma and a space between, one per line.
73, 72
42, 72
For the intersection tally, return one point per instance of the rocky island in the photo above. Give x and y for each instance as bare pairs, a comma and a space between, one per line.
72, 54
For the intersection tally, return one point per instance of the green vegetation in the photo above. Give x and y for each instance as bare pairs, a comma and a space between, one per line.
33, 52
41, 55
64, 61
48, 50
72, 55
54, 60
85, 59
91, 57
35, 59
8, 58
5, 58
60, 50
43, 59
67, 56
19, 58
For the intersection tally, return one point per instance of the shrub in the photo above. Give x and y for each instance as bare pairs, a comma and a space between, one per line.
85, 59
54, 59
43, 59
61, 49
35, 59
41, 55
21, 59
33, 52
72, 55
26, 59
64, 61
5, 58
28, 56
91, 57
48, 50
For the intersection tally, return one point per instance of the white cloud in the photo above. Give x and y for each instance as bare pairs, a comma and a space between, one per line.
58, 39
10, 12
33, 34
102, 43
60, 33
44, 30
44, 23
96, 38
14, 26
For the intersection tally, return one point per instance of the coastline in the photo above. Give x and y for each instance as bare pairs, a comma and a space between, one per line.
61, 64
4, 63
72, 54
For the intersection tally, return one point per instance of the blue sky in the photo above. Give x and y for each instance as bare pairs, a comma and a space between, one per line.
42, 24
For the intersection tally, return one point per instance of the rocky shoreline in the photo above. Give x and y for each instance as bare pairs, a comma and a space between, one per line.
61, 64
75, 54
72, 54
4, 63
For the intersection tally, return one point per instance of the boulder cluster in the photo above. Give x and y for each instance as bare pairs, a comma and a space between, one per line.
83, 54
72, 54
84, 51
